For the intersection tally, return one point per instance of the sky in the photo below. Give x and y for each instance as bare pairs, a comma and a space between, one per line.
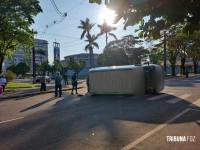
66, 32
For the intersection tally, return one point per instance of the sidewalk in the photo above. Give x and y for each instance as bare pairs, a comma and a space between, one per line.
183, 76
36, 90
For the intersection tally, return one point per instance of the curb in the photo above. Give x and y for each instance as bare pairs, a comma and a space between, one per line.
31, 94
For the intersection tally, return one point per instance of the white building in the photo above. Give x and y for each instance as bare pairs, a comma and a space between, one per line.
83, 56
19, 55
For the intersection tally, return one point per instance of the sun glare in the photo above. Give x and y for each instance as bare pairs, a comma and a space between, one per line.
107, 15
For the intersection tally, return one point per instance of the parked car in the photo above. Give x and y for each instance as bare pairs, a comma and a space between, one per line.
19, 76
48, 79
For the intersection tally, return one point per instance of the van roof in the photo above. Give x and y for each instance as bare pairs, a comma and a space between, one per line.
125, 67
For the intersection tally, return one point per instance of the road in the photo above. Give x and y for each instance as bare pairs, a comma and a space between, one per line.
152, 121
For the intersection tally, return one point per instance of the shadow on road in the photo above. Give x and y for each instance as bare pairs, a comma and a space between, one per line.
74, 121
39, 104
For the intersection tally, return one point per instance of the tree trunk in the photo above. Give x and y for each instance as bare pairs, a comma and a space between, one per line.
173, 70
106, 39
91, 57
183, 65
1, 64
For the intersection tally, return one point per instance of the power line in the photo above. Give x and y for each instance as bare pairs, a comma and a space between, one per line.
56, 9
62, 15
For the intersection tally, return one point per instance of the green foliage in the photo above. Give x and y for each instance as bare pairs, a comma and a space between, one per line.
77, 66
9, 75
113, 58
86, 26
138, 55
14, 85
124, 51
21, 68
156, 56
44, 67
57, 66
194, 47
15, 19
106, 29
169, 12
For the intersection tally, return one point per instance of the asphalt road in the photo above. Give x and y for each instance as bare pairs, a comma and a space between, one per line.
152, 121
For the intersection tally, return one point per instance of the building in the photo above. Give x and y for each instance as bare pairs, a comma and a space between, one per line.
19, 55
82, 56
56, 51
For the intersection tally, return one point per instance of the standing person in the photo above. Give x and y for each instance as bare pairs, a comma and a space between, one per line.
43, 83
74, 83
3, 82
65, 76
58, 85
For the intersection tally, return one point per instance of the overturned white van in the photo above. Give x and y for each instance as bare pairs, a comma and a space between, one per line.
126, 80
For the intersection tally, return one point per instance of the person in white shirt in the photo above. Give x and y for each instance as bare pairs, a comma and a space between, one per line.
3, 82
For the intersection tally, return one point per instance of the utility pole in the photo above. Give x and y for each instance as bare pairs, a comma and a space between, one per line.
34, 69
33, 57
164, 55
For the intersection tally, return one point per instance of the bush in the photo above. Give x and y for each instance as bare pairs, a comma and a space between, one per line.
9, 75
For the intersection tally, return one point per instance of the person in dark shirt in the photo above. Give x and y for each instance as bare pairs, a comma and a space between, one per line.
74, 83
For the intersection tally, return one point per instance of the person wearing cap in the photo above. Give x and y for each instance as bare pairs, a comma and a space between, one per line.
58, 85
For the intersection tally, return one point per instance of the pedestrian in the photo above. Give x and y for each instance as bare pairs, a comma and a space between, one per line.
186, 72
65, 77
3, 82
74, 83
43, 83
58, 85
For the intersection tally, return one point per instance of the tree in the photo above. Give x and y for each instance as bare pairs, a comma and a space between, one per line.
113, 57
123, 52
156, 56
194, 49
15, 19
86, 26
133, 11
106, 29
77, 66
44, 67
138, 55
21, 68
57, 66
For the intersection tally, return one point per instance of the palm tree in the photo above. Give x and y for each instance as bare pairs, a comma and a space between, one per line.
106, 29
87, 26
91, 40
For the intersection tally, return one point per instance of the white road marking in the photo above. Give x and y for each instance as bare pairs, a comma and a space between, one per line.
159, 96
11, 120
196, 103
131, 145
178, 98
